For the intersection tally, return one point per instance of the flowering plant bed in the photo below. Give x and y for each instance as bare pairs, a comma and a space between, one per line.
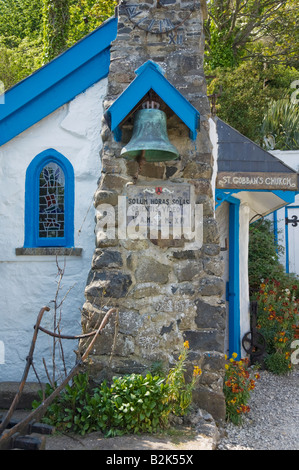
239, 381
278, 319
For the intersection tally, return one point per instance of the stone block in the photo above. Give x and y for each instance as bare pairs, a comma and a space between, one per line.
139, 292
210, 286
197, 170
148, 169
212, 402
8, 391
105, 197
207, 340
107, 258
188, 270
213, 266
209, 315
108, 284
113, 182
150, 270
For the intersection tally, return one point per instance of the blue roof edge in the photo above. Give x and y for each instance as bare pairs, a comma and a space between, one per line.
57, 82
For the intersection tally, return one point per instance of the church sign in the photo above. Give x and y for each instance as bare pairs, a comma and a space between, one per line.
257, 180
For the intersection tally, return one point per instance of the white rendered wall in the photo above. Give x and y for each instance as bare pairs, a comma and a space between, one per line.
29, 282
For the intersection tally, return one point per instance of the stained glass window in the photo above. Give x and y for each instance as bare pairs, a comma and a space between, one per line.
51, 201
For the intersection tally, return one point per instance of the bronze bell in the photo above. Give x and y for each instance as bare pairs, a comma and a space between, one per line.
150, 138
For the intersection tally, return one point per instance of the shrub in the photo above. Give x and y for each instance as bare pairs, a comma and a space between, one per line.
131, 404
278, 316
263, 259
239, 380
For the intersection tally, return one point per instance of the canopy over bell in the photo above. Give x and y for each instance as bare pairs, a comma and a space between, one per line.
150, 138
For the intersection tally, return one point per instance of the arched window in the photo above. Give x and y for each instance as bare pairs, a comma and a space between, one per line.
49, 201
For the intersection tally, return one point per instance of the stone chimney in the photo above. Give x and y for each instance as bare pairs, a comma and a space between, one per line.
165, 291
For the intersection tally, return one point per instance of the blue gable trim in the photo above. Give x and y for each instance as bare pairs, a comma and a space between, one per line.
150, 77
58, 82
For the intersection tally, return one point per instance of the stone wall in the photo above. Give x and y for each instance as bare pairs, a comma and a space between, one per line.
165, 292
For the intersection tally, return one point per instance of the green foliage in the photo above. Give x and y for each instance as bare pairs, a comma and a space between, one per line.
130, 404
180, 391
277, 363
134, 404
247, 91
281, 126
87, 15
263, 260
20, 18
70, 411
33, 32
55, 27
18, 59
221, 52
263, 29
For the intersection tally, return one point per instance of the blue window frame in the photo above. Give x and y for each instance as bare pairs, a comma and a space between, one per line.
49, 201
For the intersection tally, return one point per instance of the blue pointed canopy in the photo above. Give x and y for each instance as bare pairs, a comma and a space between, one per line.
150, 76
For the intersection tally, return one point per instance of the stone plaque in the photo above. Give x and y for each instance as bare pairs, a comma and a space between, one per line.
159, 206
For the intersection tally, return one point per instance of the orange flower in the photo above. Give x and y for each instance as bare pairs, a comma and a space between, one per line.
186, 344
196, 371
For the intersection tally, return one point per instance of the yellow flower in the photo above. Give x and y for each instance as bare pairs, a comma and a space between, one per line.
234, 355
186, 344
225, 356
197, 371
226, 366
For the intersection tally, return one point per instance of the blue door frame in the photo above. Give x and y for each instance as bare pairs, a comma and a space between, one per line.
233, 287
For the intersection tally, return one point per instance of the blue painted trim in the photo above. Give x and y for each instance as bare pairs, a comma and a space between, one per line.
222, 195
287, 196
58, 82
150, 77
234, 278
32, 239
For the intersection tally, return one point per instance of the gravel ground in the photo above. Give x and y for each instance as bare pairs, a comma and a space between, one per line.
273, 420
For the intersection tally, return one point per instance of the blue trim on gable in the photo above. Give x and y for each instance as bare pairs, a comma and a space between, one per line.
58, 82
150, 77
32, 239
